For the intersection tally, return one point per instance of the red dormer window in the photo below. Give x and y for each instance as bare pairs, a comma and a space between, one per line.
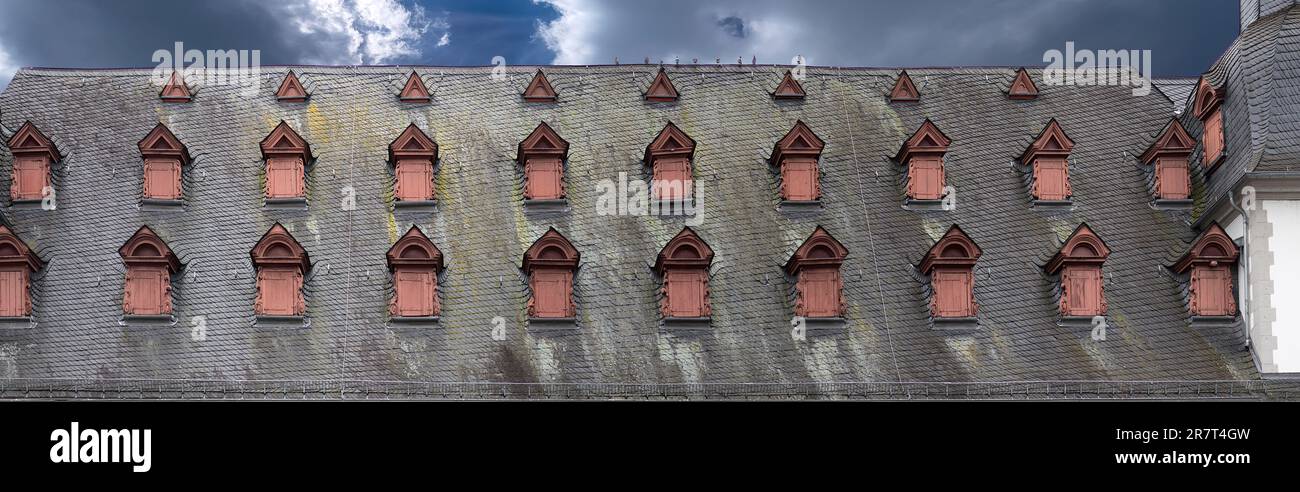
17, 263
281, 263
34, 155
414, 91
412, 154
163, 156
287, 155
1049, 159
291, 89
1168, 156
789, 88
904, 90
539, 89
1022, 86
669, 157
550, 263
1207, 109
950, 263
149, 268
542, 154
661, 89
684, 265
816, 267
923, 156
175, 91
796, 154
415, 263
1210, 261
1079, 265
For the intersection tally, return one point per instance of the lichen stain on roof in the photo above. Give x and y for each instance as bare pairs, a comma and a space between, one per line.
686, 355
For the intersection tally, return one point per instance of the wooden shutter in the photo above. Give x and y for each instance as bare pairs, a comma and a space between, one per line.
415, 292
1172, 179
284, 178
925, 178
162, 179
1051, 178
1213, 138
686, 292
414, 179
552, 289
13, 293
953, 296
1212, 291
672, 178
279, 292
799, 179
1083, 291
820, 291
31, 176
544, 179
146, 291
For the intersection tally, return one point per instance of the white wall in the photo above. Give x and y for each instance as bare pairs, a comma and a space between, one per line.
1284, 243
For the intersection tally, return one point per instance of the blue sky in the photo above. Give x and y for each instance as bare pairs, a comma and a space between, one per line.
1184, 35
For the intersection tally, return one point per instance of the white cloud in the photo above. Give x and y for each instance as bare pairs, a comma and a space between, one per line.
364, 31
7, 68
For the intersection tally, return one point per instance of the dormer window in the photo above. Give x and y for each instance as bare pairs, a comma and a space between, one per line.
34, 155
415, 263
922, 153
788, 88
291, 90
819, 287
175, 91
950, 263
149, 268
1207, 109
539, 89
164, 155
542, 155
1022, 86
904, 90
17, 264
281, 263
661, 89
796, 155
683, 264
550, 264
286, 155
669, 156
412, 155
1078, 264
414, 91
1168, 158
1210, 261
1048, 157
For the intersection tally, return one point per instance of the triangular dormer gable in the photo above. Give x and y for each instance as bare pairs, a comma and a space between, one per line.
278, 247
1052, 141
1173, 141
175, 90
819, 249
13, 251
29, 140
285, 142
551, 250
670, 141
800, 140
414, 91
661, 89
789, 88
1208, 98
161, 142
414, 248
1022, 86
927, 140
291, 89
542, 142
540, 89
146, 248
1083, 246
1213, 247
686, 249
904, 90
954, 248
412, 143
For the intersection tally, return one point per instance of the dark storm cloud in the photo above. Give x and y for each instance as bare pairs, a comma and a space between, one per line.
733, 26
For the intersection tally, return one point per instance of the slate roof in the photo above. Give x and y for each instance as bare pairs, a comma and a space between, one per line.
480, 225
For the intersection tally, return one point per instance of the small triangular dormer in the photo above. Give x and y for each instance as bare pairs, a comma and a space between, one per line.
281, 263
1022, 87
1048, 157
684, 265
539, 90
950, 263
286, 155
819, 286
414, 262
904, 90
542, 155
796, 156
414, 91
1210, 260
789, 88
550, 264
175, 91
17, 263
291, 89
34, 156
412, 155
164, 156
1167, 157
923, 156
661, 89
1079, 263
149, 267
669, 156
